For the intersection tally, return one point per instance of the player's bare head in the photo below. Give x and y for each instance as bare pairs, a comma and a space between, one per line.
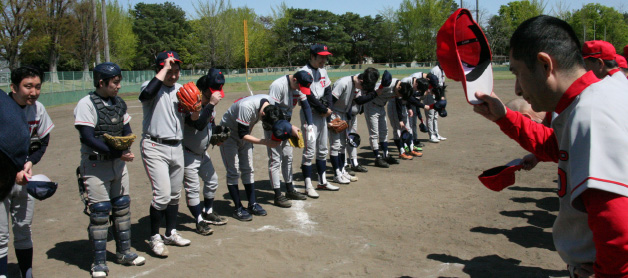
405, 91
523, 107
270, 115
26, 84
368, 79
422, 84
548, 35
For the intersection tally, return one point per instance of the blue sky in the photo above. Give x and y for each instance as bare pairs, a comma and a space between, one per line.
373, 7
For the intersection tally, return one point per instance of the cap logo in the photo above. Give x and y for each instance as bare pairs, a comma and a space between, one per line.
325, 47
170, 54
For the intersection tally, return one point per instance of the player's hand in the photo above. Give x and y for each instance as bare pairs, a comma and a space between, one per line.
169, 62
215, 98
492, 108
410, 113
402, 126
426, 107
22, 177
271, 143
529, 162
28, 168
127, 156
328, 113
295, 131
309, 132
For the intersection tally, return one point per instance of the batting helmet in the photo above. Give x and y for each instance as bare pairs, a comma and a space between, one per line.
353, 139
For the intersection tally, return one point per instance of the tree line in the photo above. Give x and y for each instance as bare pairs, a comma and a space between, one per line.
67, 35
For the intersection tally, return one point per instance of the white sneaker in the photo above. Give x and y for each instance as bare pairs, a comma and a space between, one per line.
158, 247
176, 239
434, 139
328, 186
441, 138
349, 177
310, 192
341, 180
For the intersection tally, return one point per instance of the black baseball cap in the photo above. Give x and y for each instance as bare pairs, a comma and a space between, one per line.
319, 49
162, 56
282, 130
304, 79
215, 81
107, 70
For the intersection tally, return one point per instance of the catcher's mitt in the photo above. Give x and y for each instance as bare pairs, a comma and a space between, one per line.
297, 141
338, 125
120, 143
220, 134
189, 97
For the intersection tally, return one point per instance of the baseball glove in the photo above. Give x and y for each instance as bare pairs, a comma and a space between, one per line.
120, 143
297, 141
338, 125
220, 134
189, 97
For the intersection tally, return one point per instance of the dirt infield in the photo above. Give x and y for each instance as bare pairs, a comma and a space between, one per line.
429, 217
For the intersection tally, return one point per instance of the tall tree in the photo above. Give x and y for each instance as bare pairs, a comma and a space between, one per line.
123, 44
15, 29
516, 12
85, 50
599, 22
159, 27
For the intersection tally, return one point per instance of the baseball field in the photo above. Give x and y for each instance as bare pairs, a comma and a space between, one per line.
428, 217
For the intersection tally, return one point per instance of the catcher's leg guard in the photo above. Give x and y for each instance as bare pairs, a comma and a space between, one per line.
122, 226
98, 226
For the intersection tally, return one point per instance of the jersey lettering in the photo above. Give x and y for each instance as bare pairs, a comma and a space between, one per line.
562, 182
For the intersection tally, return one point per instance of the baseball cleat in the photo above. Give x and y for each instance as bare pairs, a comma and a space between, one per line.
311, 192
214, 219
441, 138
99, 270
415, 153
295, 195
380, 162
203, 228
130, 258
282, 202
341, 180
434, 139
405, 156
256, 209
359, 168
417, 149
349, 177
392, 160
328, 186
176, 239
242, 214
157, 246
349, 170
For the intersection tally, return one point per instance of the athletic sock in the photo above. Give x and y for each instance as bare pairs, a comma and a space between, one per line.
250, 193
398, 144
24, 259
354, 161
235, 195
208, 205
171, 218
321, 167
342, 159
376, 152
289, 187
4, 266
155, 220
277, 192
334, 162
384, 147
196, 212
307, 170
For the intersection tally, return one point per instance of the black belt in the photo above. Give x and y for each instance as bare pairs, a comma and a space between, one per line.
99, 157
172, 142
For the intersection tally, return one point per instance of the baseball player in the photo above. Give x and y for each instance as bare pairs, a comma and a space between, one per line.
103, 168
238, 149
344, 93
196, 135
587, 139
599, 57
288, 91
320, 100
19, 205
352, 161
14, 143
161, 149
436, 93
398, 113
375, 114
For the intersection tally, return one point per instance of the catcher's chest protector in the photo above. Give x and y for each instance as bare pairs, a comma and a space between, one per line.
110, 118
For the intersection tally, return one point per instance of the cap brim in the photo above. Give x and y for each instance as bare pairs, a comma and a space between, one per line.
324, 53
222, 93
478, 79
305, 90
500, 177
176, 60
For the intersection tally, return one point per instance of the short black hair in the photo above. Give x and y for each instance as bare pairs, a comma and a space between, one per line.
20, 73
422, 84
105, 81
550, 35
369, 78
406, 90
272, 114
611, 64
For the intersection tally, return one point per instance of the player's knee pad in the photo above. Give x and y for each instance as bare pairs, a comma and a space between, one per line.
98, 226
122, 222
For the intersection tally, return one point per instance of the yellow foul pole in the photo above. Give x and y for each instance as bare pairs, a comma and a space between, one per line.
246, 55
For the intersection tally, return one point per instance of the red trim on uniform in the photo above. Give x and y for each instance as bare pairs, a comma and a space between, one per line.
607, 214
49, 128
575, 89
613, 71
79, 122
242, 122
597, 179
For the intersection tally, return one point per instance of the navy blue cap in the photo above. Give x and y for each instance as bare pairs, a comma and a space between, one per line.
319, 49
162, 56
214, 80
15, 136
433, 80
282, 130
304, 79
386, 79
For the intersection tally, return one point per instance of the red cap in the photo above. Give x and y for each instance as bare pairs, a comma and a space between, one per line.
499, 177
621, 61
464, 54
598, 49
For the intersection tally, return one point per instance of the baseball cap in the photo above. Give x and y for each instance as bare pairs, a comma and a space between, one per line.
304, 79
598, 49
319, 49
386, 79
464, 54
40, 187
282, 130
500, 177
215, 80
621, 61
353, 139
105, 70
162, 56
